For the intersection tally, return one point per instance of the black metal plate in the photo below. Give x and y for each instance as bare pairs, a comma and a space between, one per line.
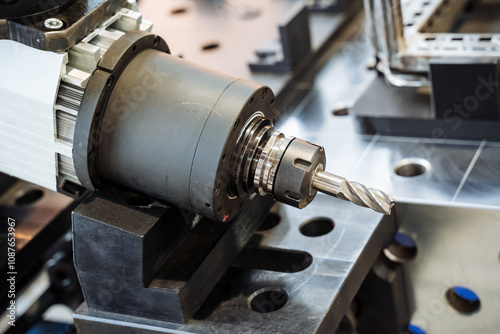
81, 18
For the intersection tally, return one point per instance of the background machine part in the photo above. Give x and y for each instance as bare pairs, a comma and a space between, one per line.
440, 56
409, 36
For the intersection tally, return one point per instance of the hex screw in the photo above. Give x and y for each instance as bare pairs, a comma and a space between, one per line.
53, 24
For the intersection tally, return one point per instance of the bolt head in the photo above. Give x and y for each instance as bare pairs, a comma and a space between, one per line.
53, 24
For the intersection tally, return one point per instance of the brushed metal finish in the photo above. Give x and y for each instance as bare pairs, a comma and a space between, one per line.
451, 210
457, 246
237, 28
354, 192
347, 251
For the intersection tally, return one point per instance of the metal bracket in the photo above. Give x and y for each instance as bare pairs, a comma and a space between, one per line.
145, 261
293, 47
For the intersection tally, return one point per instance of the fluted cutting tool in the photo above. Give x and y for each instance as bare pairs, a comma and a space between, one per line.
354, 192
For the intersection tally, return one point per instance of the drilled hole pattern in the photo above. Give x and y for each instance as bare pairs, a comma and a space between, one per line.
317, 227
411, 167
402, 249
267, 300
463, 299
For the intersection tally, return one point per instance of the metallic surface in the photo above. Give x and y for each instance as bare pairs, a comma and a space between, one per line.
257, 155
14, 8
295, 174
407, 111
42, 220
353, 191
33, 206
318, 292
291, 170
53, 24
294, 46
147, 261
79, 19
455, 176
223, 23
437, 54
410, 34
269, 160
87, 133
459, 178
458, 246
449, 210
41, 98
